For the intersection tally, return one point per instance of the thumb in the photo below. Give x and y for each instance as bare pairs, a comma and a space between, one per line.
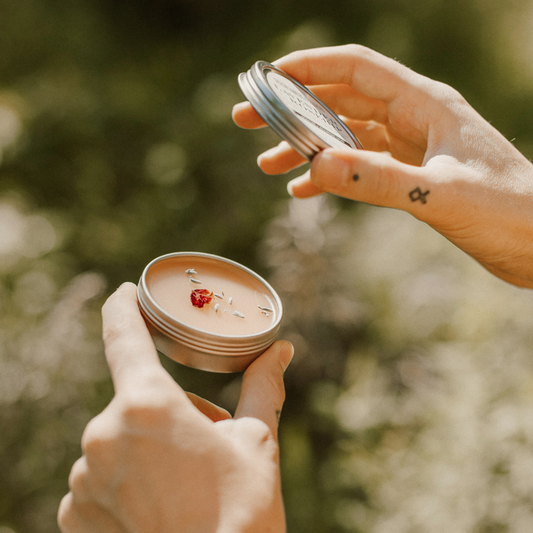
371, 177
263, 391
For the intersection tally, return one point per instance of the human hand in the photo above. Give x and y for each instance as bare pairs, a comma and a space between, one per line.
427, 152
160, 460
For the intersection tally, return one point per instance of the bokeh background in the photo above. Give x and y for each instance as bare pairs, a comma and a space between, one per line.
410, 399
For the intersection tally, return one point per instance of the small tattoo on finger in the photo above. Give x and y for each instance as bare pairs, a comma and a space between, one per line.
417, 194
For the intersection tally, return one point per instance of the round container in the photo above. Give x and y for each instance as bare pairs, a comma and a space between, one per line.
293, 111
226, 334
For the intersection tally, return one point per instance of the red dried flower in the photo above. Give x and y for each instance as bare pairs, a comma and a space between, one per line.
200, 297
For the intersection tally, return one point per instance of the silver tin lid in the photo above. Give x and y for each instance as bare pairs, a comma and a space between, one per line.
293, 111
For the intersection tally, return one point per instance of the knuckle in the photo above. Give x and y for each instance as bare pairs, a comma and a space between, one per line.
449, 93
261, 436
77, 480
258, 430
387, 179
147, 409
357, 50
65, 514
448, 97
96, 437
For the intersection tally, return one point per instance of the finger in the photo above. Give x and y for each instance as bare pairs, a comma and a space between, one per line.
129, 348
376, 179
280, 159
363, 69
98, 437
263, 391
73, 517
373, 136
65, 514
77, 479
303, 187
67, 518
346, 101
245, 116
212, 411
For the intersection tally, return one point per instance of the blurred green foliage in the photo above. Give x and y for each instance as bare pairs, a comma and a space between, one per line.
117, 146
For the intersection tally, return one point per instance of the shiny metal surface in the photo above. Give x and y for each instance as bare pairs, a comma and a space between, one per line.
258, 91
198, 348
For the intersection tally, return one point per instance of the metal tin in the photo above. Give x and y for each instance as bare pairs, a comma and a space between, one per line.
293, 111
199, 348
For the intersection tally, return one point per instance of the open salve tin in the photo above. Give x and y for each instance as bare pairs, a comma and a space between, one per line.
293, 111
208, 312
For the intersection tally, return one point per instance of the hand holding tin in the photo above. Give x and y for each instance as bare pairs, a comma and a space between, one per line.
426, 152
159, 460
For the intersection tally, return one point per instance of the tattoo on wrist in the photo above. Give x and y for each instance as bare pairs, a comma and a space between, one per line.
355, 177
417, 194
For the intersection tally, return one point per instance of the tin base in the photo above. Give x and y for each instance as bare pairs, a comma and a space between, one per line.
204, 337
192, 358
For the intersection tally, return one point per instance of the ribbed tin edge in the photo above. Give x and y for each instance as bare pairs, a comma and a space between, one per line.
200, 342
257, 91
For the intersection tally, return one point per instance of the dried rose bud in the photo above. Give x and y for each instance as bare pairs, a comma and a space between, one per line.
200, 297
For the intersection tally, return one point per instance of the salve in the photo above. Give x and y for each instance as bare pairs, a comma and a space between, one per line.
234, 315
234, 290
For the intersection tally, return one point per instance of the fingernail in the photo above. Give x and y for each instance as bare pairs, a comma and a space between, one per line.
285, 355
268, 154
331, 172
297, 181
290, 185
239, 106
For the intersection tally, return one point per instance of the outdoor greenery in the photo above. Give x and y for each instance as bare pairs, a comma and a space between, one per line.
410, 398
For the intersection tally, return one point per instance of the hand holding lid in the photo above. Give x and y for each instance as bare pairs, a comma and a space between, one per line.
427, 152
